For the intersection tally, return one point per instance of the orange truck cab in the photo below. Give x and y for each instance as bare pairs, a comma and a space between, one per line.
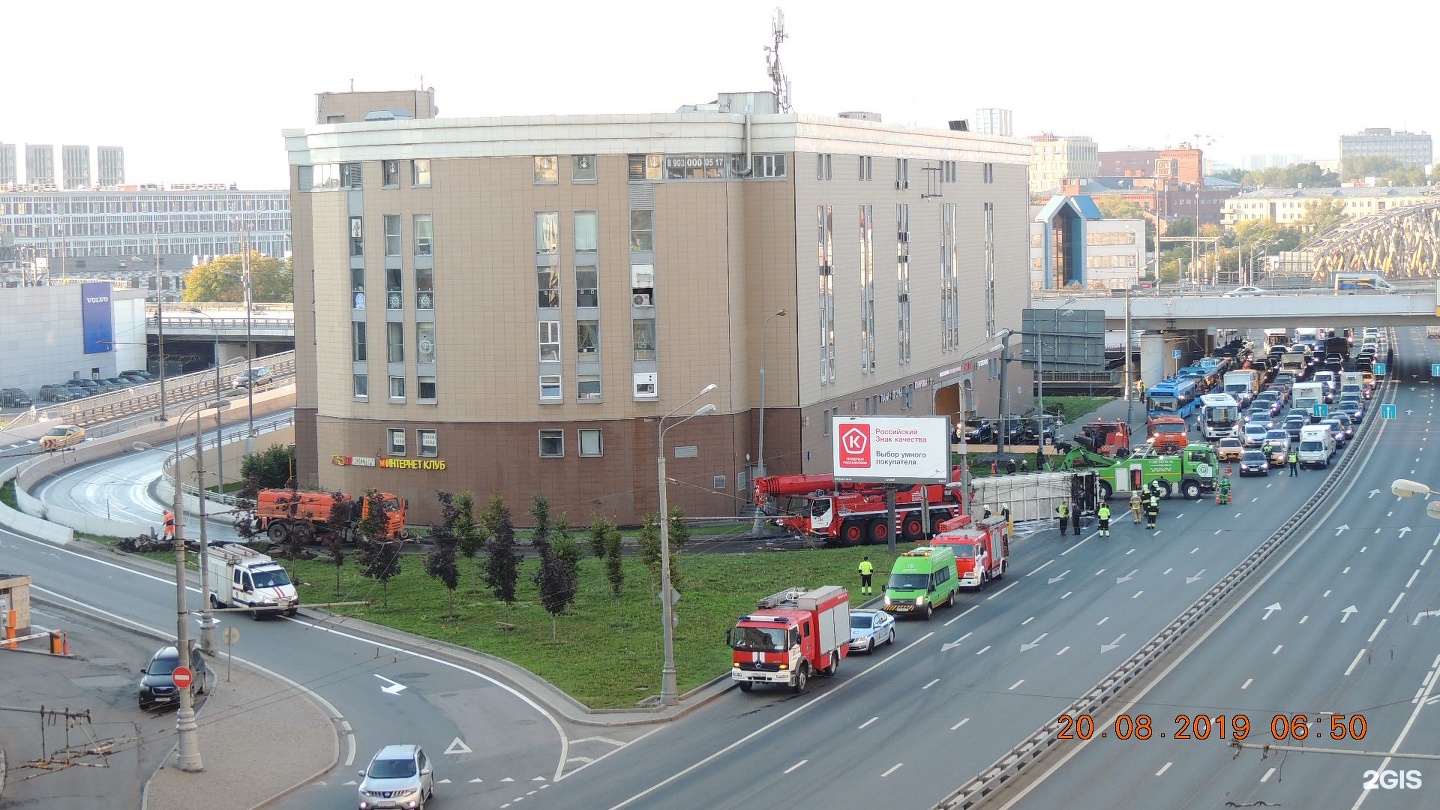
1168, 433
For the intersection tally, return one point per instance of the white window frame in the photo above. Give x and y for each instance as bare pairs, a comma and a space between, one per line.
421, 451
395, 446
553, 382
597, 435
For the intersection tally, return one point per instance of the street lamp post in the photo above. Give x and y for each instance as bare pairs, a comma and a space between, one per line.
207, 618
760, 466
669, 691
1404, 488
219, 425
160, 323
188, 757
249, 347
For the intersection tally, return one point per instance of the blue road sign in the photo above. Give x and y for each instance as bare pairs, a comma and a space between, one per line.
1379, 369
1175, 354
1387, 411
1321, 410
1435, 369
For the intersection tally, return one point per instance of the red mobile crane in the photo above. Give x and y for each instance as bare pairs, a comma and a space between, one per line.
850, 514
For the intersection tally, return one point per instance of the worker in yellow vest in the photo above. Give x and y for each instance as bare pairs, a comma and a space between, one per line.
867, 571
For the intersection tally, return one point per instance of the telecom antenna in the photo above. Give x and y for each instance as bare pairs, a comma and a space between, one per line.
772, 60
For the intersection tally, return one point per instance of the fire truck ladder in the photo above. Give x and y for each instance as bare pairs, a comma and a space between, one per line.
775, 600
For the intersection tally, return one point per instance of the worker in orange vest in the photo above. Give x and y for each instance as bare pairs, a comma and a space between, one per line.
169, 525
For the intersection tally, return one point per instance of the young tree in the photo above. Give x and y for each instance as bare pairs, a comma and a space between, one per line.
442, 562
605, 541
679, 537
647, 548
379, 555
500, 569
556, 577
564, 544
340, 529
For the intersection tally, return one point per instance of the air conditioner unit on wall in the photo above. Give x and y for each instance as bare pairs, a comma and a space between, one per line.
640, 299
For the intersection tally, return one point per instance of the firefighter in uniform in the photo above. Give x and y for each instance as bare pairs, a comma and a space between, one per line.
1104, 517
169, 525
867, 571
1062, 513
1137, 504
1152, 510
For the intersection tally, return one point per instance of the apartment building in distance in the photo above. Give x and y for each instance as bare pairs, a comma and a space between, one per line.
1055, 159
9, 170
40, 165
1409, 148
512, 304
1288, 206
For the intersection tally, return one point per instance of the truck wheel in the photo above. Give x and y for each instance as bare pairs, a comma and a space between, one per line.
214, 602
800, 678
912, 529
834, 667
746, 686
852, 532
878, 531
1104, 490
984, 580
277, 532
1164, 488
1191, 490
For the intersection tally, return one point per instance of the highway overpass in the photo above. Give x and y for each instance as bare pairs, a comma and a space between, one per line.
1206, 309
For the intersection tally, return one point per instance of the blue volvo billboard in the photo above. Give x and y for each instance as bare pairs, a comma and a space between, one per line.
96, 317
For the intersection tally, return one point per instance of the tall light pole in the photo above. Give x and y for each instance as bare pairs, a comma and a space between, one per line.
760, 466
1040, 373
1002, 335
219, 425
160, 323
249, 348
189, 756
669, 691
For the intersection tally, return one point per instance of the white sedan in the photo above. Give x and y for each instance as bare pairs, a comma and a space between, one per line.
1245, 292
869, 629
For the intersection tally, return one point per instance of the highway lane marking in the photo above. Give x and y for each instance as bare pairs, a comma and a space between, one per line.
1423, 560
1022, 624
1252, 500
961, 616
1032, 573
867, 722
1371, 640
1164, 768
1422, 698
1277, 649
1217, 531
1137, 594
1079, 544
1128, 553
1002, 590
1302, 618
1062, 650
982, 650
1162, 573
1397, 602
1101, 571
1266, 777
930, 684
1192, 551
1247, 683
1407, 584
1362, 548
796, 765
892, 770
959, 724
1346, 571
1097, 624
1351, 668
1236, 515
1067, 593
1322, 596
1013, 685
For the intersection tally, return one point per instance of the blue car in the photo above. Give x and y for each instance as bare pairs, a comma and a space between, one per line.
869, 629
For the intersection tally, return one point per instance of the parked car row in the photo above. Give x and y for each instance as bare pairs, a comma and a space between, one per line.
78, 388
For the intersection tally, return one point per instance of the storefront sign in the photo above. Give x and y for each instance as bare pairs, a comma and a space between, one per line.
389, 463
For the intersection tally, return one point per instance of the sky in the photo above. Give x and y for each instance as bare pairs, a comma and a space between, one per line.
199, 92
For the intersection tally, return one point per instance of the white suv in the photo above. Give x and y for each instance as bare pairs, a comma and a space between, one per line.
398, 776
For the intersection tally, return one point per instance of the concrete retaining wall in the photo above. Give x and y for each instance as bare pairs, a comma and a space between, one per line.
25, 524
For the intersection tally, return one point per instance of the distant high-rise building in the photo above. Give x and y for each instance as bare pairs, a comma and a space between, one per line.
76, 161
1057, 158
110, 165
1409, 148
9, 174
40, 164
993, 121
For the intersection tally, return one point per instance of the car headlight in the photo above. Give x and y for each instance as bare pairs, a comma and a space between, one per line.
920, 600
887, 598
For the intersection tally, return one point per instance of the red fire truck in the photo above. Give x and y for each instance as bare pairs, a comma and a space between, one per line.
850, 514
982, 549
790, 636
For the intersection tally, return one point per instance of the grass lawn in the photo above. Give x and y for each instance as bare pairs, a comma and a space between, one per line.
1075, 407
7, 495
610, 649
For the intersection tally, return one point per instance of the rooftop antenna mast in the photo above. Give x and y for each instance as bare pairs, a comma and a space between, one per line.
772, 60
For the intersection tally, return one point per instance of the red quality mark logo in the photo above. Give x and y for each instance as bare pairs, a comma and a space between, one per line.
855, 446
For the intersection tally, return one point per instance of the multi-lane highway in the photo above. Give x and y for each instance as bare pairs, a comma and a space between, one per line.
1342, 632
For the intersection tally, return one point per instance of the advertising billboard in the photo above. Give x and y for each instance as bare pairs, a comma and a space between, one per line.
95, 317
891, 449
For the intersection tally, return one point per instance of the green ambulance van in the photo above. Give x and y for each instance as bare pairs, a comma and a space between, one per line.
920, 580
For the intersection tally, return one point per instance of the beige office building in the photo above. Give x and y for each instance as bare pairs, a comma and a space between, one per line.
510, 304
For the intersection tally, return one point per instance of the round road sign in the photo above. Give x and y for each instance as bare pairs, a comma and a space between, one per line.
183, 677
231, 635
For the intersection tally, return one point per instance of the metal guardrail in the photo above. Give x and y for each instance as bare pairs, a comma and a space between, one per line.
1029, 751
207, 325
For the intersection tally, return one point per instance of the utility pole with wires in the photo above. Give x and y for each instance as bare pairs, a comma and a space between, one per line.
246, 279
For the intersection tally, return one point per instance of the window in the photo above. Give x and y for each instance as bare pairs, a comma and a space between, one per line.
424, 288
394, 294
867, 167
825, 249
550, 387
428, 443
350, 175
902, 278
425, 341
392, 234
587, 287
549, 341
867, 289
547, 169
424, 230
642, 231
390, 172
420, 172
552, 444
587, 231
397, 441
643, 338
357, 287
547, 232
322, 176
592, 443
397, 387
989, 172
357, 236
362, 386
427, 392
587, 340
823, 166
357, 341
588, 389
582, 169
949, 280
902, 173
395, 342
547, 286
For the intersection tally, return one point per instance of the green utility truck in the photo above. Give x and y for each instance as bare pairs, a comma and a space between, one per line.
1189, 472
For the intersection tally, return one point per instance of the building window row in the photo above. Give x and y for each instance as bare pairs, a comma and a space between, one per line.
426, 388
867, 289
902, 279
591, 441
825, 248
824, 167
1110, 238
949, 171
427, 443
867, 167
949, 279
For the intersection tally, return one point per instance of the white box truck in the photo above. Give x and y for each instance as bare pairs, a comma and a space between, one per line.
241, 577
1317, 446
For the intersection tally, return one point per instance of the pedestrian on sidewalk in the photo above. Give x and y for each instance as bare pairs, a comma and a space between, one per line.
867, 571
1294, 463
1062, 512
1104, 517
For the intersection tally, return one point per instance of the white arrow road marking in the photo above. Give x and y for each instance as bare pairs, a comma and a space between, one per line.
477, 780
1196, 578
1341, 528
1346, 613
1127, 577
1404, 530
952, 645
1270, 609
1053, 580
1104, 648
1374, 492
458, 747
443, 782
1032, 645
1423, 614
394, 688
